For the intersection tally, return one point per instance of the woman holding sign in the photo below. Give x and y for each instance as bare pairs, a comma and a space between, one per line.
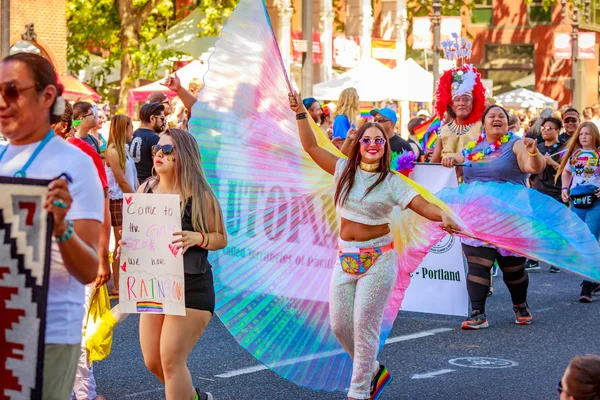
167, 340
365, 274
581, 179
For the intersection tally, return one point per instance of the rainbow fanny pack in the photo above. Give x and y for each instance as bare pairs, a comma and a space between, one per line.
357, 261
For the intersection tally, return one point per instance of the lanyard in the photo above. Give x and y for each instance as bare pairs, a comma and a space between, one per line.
22, 173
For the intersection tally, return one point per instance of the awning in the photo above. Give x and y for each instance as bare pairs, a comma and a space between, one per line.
75, 90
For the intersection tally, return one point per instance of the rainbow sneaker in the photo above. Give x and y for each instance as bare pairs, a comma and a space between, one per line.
380, 381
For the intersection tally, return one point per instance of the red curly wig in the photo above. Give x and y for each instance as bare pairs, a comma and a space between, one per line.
443, 95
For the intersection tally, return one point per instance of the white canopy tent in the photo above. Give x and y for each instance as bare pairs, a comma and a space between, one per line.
411, 82
524, 98
370, 78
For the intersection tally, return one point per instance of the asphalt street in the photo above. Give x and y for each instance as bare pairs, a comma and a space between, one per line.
429, 357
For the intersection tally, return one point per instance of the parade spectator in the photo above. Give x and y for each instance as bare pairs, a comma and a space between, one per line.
160, 97
64, 126
514, 125
570, 118
587, 114
85, 384
536, 128
423, 114
547, 182
152, 117
581, 380
97, 130
30, 103
413, 141
596, 114
512, 162
580, 172
85, 119
387, 118
346, 113
167, 340
314, 109
326, 121
122, 178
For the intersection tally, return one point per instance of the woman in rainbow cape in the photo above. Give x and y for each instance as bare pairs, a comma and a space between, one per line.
273, 280
367, 267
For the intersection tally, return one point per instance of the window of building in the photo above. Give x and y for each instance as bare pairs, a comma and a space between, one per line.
595, 17
508, 65
482, 12
539, 14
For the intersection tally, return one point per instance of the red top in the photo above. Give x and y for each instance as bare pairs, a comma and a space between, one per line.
90, 151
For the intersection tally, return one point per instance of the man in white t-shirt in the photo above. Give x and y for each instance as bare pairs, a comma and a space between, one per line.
29, 103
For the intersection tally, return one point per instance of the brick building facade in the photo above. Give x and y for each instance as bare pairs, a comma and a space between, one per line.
50, 27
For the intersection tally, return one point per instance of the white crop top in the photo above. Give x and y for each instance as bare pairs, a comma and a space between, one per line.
376, 207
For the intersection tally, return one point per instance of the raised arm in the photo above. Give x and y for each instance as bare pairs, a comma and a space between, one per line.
530, 160
188, 99
319, 155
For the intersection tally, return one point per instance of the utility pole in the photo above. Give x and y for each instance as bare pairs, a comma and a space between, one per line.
436, 21
307, 36
5, 42
574, 82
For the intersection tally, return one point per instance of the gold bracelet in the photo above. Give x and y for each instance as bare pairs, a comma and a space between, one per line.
534, 154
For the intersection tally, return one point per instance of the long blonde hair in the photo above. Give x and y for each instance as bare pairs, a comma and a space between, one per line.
118, 137
348, 105
573, 144
191, 182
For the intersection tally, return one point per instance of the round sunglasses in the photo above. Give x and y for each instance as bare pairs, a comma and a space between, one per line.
365, 141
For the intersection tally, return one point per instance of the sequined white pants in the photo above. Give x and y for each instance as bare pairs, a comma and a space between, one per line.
356, 304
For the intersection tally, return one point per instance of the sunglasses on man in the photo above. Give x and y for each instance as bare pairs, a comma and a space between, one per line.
569, 120
10, 92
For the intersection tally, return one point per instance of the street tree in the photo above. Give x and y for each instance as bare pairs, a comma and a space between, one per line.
120, 30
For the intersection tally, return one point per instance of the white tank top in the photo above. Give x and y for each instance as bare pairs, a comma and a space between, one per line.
114, 190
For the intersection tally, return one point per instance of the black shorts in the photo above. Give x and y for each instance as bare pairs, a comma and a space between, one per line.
200, 291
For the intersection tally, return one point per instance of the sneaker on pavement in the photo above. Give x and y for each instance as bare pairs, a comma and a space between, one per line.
477, 320
203, 395
532, 265
522, 314
380, 381
554, 270
586, 292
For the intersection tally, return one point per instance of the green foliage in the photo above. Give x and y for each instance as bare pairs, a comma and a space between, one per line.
95, 28
216, 13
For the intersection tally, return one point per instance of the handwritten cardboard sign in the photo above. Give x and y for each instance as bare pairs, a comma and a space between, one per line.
151, 277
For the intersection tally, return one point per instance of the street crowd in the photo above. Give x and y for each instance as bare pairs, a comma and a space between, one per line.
101, 158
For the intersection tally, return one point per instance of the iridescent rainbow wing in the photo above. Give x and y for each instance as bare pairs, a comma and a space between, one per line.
272, 280
526, 222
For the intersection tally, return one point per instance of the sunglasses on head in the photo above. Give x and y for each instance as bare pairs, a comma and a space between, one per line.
167, 149
10, 92
367, 141
570, 119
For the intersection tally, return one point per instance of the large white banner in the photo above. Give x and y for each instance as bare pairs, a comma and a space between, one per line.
151, 277
438, 286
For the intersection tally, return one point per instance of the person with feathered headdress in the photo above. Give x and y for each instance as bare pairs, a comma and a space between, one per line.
460, 96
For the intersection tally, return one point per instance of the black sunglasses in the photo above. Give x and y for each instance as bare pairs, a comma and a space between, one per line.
10, 92
167, 149
570, 119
